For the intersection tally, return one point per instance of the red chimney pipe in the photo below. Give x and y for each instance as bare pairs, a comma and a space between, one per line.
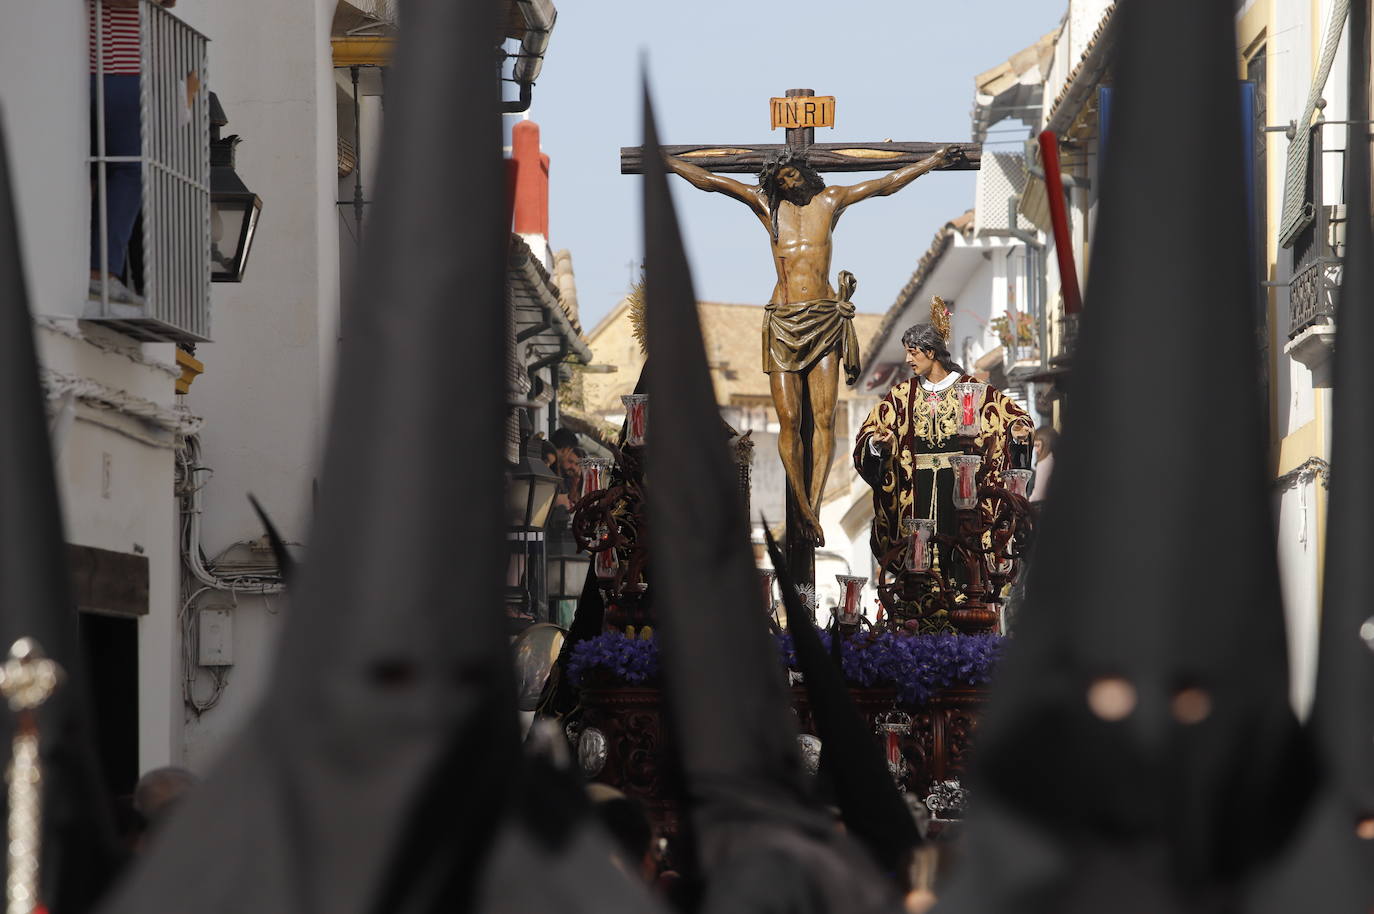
1059, 218
531, 180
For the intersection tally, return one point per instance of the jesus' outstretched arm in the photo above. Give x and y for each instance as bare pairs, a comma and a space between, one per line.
702, 179
894, 181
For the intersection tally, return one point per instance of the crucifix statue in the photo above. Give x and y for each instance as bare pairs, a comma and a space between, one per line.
808, 333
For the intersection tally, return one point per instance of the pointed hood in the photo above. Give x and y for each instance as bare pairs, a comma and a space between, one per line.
762, 843
870, 805
382, 770
286, 565
78, 834
1329, 852
1140, 724
724, 685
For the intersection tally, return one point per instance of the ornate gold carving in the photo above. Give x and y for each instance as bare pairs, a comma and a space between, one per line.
861, 153
718, 151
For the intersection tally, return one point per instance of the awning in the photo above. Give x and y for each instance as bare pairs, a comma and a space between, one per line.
1297, 208
1013, 88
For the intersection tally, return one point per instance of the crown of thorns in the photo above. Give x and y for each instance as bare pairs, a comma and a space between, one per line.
780, 160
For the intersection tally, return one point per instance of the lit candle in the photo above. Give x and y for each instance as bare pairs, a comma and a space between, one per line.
595, 471
605, 563
966, 479
894, 748
636, 418
918, 532
1018, 481
852, 587
970, 394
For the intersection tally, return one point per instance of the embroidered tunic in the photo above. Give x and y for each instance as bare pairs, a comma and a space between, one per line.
915, 479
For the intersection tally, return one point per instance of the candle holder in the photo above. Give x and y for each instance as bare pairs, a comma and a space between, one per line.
848, 612
853, 586
966, 468
596, 471
892, 726
604, 561
636, 419
970, 395
1018, 482
918, 532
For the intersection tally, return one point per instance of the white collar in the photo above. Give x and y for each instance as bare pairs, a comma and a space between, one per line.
944, 384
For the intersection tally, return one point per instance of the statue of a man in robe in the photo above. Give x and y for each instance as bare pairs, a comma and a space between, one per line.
904, 448
809, 329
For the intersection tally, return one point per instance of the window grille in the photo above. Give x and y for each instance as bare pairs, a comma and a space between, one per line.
174, 159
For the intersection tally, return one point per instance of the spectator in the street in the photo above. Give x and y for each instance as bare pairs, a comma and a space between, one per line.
1046, 438
159, 792
569, 461
549, 454
114, 61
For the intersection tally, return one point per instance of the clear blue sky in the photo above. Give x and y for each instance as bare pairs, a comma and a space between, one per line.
900, 69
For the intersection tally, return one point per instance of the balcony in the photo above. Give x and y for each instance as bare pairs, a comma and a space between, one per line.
170, 253
1318, 249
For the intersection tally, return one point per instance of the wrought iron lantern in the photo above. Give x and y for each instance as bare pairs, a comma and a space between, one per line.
234, 209
566, 567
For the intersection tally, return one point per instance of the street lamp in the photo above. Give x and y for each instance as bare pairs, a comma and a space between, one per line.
530, 492
234, 209
566, 570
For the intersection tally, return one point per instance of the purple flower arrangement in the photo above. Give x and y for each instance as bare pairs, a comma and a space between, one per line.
918, 666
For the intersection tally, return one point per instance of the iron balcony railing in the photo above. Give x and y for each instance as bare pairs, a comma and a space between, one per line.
1318, 249
174, 159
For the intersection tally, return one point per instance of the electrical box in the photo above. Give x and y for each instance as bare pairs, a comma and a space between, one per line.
216, 637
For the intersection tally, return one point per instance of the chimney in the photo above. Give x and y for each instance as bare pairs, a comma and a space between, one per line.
531, 189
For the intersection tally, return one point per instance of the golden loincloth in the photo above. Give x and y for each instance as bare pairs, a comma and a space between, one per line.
796, 336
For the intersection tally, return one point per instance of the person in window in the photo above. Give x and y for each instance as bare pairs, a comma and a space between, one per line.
114, 53
1045, 439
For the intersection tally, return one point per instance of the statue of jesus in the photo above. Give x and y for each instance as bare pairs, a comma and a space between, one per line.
808, 330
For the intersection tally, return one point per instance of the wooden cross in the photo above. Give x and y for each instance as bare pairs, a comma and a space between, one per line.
832, 157
736, 158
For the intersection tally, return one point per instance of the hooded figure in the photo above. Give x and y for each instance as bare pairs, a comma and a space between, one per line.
1139, 752
853, 766
383, 770
761, 843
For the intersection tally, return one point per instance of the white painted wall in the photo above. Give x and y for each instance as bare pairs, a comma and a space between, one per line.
116, 491
262, 392
1298, 556
44, 101
117, 494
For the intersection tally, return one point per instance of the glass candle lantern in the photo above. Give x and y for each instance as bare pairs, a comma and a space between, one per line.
636, 419
766, 576
970, 396
966, 479
604, 562
596, 473
918, 532
1018, 482
853, 586
892, 726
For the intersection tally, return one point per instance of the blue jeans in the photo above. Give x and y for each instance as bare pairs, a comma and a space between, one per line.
123, 180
